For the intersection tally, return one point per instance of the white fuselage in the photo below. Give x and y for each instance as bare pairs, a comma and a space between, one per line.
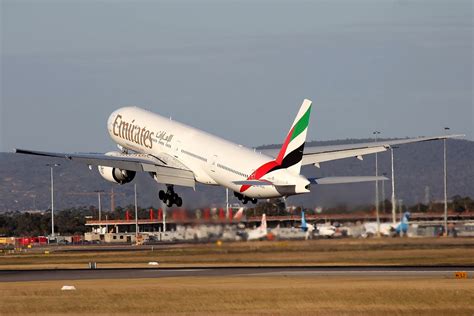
213, 160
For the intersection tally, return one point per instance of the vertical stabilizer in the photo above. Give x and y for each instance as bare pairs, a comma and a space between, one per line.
291, 153
238, 215
303, 221
263, 225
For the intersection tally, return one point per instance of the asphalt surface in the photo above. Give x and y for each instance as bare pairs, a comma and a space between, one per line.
147, 273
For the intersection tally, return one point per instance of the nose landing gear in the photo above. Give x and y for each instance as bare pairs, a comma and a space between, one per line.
244, 198
170, 197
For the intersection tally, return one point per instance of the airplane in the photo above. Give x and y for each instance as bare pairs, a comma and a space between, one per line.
259, 232
239, 214
322, 230
306, 227
387, 229
402, 227
326, 230
175, 154
370, 229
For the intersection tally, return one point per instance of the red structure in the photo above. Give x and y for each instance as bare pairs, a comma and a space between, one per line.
127, 215
221, 214
24, 241
151, 214
207, 214
160, 214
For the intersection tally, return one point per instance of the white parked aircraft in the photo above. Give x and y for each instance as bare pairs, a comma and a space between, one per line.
259, 232
179, 155
387, 229
323, 230
239, 214
326, 230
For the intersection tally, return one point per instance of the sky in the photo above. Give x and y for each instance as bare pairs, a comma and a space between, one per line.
238, 69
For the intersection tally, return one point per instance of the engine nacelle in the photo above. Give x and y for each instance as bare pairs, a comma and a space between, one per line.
116, 175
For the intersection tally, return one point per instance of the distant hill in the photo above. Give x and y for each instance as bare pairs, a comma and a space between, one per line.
25, 180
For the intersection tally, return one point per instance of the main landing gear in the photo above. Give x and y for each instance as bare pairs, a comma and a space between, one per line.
170, 197
244, 198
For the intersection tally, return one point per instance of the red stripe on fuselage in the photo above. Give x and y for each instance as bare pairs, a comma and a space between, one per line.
282, 152
263, 169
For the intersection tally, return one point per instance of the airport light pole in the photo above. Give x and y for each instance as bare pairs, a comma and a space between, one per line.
227, 203
136, 213
51, 166
400, 208
446, 129
100, 204
106, 224
383, 193
393, 187
376, 133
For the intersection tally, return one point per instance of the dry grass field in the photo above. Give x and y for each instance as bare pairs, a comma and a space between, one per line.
288, 295
384, 251
272, 295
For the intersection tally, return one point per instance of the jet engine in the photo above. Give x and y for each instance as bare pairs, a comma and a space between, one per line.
116, 175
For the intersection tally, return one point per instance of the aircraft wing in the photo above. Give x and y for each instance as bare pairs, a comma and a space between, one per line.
167, 169
317, 154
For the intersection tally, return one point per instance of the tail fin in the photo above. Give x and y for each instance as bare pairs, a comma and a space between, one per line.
303, 220
239, 214
263, 225
291, 153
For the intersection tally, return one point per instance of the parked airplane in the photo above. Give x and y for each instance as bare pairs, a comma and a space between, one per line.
326, 230
370, 229
179, 155
259, 232
239, 214
387, 229
402, 227
306, 227
323, 230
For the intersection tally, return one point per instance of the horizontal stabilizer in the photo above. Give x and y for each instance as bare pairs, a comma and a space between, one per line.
340, 180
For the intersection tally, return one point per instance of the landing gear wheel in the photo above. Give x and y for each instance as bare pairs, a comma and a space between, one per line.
169, 202
161, 195
254, 201
170, 197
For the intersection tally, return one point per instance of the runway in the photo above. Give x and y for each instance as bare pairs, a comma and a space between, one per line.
147, 273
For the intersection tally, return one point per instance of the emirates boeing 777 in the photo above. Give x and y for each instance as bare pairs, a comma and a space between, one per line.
175, 154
